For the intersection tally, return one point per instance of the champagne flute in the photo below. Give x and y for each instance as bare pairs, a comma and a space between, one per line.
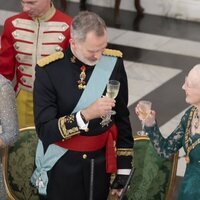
144, 109
112, 91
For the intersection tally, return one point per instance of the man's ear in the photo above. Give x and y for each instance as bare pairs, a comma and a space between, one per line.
72, 42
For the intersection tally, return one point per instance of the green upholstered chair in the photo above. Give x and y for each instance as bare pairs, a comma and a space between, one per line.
154, 176
18, 164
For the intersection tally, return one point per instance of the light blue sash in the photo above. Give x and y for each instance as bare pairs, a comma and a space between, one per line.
95, 88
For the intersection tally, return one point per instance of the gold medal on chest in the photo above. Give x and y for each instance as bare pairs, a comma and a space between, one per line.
81, 82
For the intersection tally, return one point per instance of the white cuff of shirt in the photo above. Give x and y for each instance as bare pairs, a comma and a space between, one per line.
123, 171
80, 122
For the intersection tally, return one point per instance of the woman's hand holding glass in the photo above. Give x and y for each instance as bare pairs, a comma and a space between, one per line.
145, 114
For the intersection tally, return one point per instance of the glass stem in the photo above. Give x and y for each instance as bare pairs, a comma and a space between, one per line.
142, 126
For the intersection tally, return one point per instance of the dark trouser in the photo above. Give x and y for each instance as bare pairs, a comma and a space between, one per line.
83, 5
69, 179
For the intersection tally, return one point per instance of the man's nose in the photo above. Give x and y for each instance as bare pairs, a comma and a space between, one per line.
97, 55
184, 87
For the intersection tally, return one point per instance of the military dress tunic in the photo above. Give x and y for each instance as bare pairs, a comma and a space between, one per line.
56, 94
24, 41
181, 137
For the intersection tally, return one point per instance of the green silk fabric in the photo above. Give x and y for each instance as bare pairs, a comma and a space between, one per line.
152, 175
20, 163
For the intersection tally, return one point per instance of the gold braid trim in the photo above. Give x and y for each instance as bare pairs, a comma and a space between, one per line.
51, 58
66, 133
73, 131
125, 152
112, 52
62, 127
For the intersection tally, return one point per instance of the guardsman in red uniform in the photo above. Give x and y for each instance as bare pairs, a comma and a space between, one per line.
38, 31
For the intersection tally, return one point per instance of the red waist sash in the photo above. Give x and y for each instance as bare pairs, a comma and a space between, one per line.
93, 143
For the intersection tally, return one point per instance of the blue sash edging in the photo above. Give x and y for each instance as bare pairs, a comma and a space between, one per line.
97, 83
44, 163
95, 88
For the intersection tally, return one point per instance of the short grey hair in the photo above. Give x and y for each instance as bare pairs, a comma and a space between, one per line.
196, 73
196, 68
86, 22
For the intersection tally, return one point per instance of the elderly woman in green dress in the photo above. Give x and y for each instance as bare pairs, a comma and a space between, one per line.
9, 122
186, 135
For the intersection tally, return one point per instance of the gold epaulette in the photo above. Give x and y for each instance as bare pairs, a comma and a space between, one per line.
113, 52
51, 58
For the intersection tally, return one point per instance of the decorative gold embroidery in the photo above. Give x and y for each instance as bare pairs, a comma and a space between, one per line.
51, 58
81, 82
125, 152
66, 133
62, 127
112, 52
73, 131
187, 131
70, 119
196, 120
73, 59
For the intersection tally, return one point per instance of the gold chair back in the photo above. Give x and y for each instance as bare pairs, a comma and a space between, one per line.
154, 176
18, 165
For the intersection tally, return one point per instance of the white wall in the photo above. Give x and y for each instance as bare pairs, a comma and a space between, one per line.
182, 9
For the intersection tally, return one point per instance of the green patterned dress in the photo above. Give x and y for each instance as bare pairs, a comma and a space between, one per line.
181, 137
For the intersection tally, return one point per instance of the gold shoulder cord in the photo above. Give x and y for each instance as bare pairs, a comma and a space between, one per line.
113, 52
51, 58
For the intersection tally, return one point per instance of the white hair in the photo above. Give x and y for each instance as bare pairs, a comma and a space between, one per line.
195, 72
196, 68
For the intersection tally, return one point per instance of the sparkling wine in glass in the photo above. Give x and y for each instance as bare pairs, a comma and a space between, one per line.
112, 91
144, 109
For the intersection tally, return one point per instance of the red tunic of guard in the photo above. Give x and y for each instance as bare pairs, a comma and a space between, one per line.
25, 40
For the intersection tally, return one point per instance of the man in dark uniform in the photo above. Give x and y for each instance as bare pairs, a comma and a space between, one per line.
69, 104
